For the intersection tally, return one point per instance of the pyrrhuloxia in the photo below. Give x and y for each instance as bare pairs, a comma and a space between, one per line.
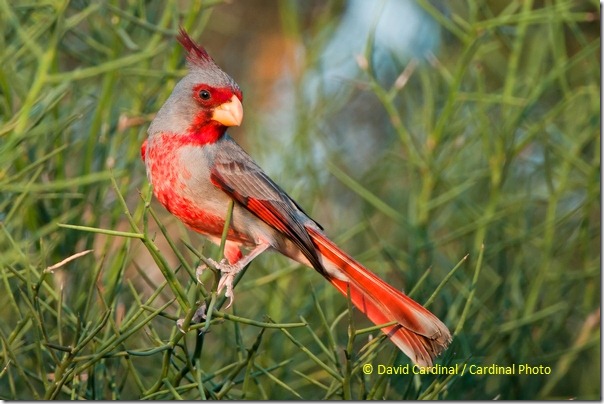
196, 170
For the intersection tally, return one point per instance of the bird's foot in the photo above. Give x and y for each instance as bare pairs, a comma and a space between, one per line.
227, 278
229, 271
199, 271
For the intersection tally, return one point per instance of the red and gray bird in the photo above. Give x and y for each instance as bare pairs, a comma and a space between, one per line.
197, 170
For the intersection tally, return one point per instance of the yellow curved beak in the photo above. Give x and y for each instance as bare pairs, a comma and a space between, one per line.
230, 113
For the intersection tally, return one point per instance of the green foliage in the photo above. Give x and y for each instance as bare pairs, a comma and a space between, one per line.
485, 199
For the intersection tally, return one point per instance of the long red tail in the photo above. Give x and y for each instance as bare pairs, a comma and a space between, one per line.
419, 333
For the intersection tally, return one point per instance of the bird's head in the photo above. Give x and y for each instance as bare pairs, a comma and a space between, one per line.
204, 102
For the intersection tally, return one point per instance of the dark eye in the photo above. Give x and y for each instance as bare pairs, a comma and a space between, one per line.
205, 95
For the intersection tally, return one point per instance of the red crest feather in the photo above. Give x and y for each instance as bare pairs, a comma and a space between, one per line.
196, 53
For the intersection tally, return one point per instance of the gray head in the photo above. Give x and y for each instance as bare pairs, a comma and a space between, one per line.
204, 102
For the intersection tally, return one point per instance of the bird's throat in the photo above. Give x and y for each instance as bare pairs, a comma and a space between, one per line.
203, 131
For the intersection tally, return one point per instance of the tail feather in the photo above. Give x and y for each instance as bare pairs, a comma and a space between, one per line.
418, 333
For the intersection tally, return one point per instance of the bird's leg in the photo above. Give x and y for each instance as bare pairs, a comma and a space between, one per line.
232, 253
230, 270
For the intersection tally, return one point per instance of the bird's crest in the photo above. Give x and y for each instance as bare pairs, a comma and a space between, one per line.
196, 54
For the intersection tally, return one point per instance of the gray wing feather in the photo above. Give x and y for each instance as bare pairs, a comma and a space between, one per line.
236, 173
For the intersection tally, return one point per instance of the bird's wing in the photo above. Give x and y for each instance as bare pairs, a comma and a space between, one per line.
235, 173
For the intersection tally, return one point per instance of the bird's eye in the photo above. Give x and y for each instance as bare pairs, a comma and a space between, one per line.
204, 95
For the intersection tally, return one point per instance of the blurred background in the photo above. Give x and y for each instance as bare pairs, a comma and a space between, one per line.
451, 147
